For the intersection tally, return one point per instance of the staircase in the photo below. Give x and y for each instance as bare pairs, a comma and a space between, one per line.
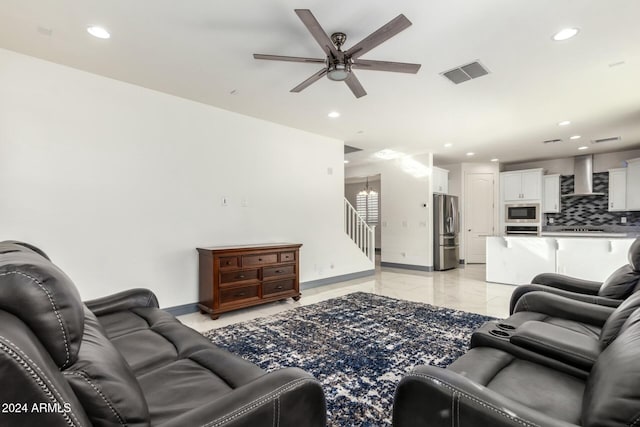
362, 234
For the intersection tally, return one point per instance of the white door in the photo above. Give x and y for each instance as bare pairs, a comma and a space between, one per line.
479, 214
512, 184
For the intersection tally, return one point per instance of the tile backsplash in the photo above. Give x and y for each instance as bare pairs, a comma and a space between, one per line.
589, 210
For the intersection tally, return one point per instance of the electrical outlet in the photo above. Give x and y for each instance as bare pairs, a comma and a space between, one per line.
224, 201
329, 171
551, 220
404, 223
403, 254
623, 220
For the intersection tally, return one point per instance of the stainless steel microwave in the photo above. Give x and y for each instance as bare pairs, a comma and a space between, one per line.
525, 212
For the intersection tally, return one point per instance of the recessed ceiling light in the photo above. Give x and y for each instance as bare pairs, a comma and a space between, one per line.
346, 161
494, 160
99, 32
564, 123
448, 144
584, 147
334, 114
471, 154
565, 34
575, 137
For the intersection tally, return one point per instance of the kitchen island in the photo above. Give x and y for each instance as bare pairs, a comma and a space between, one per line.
518, 259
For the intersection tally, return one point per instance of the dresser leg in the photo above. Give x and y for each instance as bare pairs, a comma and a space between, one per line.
214, 316
296, 298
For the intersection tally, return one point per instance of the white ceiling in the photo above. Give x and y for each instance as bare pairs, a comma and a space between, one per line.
202, 50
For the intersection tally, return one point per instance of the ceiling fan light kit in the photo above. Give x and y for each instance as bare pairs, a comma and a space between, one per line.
339, 64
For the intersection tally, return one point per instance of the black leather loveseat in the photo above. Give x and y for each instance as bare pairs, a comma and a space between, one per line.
120, 361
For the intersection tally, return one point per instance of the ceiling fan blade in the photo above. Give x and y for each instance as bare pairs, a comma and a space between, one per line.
379, 36
317, 76
317, 31
396, 67
355, 86
288, 58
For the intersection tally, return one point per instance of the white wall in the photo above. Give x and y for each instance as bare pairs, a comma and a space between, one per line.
406, 227
119, 184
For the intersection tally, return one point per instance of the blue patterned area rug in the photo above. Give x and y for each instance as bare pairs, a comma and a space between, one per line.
358, 346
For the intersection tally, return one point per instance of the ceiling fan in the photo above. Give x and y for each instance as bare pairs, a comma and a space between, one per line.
339, 64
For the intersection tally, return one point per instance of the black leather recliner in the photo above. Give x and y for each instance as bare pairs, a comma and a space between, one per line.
492, 387
122, 361
556, 331
615, 289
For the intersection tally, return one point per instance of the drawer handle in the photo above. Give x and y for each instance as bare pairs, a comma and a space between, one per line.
241, 276
259, 259
279, 287
241, 294
228, 262
279, 271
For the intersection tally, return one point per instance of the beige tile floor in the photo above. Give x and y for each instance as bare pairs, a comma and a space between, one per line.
461, 289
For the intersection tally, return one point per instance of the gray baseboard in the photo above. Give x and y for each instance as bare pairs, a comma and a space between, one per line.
407, 266
335, 279
180, 310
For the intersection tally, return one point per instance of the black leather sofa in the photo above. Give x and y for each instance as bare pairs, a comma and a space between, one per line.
615, 289
490, 387
121, 361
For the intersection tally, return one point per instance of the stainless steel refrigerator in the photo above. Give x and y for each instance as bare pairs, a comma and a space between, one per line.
446, 227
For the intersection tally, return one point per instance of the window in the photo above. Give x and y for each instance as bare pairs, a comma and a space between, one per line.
367, 206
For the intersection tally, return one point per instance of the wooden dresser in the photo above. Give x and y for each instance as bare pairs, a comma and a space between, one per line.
233, 277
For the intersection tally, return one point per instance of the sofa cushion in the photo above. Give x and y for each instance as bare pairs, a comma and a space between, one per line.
620, 284
612, 395
149, 338
524, 382
43, 297
199, 379
612, 327
104, 383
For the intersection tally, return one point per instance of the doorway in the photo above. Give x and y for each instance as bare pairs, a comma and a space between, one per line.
479, 215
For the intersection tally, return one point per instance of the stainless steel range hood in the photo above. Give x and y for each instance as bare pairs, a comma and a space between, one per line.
583, 177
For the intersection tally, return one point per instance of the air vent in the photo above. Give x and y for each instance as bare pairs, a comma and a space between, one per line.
601, 140
551, 141
349, 149
465, 72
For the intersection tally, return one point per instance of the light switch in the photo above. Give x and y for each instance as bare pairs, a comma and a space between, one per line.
623, 220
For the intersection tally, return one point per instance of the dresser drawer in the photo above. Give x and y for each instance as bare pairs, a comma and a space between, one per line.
283, 270
287, 256
238, 276
239, 294
228, 262
277, 287
251, 260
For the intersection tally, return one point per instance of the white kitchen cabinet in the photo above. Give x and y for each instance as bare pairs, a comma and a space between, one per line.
617, 189
633, 185
522, 185
440, 180
551, 197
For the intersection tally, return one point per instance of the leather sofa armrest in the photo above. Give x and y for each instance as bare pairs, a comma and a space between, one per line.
436, 397
121, 301
558, 343
522, 290
567, 283
566, 308
288, 397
